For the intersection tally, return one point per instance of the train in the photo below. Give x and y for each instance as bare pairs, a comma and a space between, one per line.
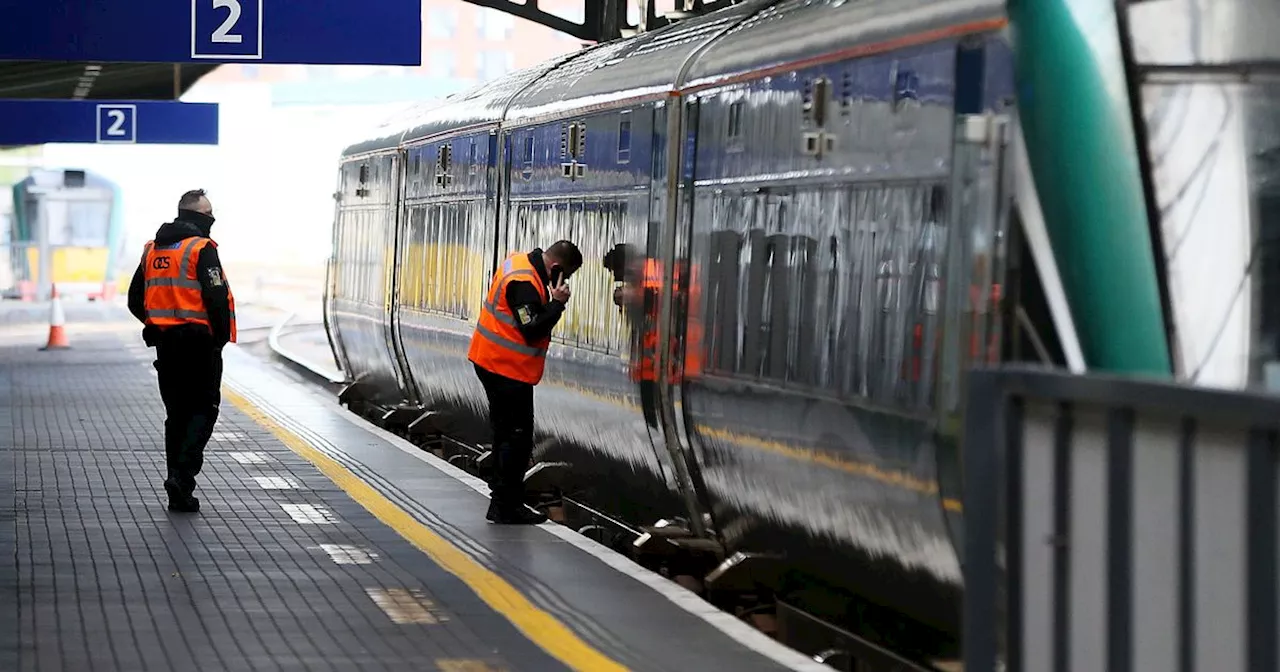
81, 213
800, 232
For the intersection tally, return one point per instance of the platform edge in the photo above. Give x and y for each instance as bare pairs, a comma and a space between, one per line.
538, 626
678, 595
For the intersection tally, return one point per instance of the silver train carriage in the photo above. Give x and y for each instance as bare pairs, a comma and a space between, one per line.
819, 187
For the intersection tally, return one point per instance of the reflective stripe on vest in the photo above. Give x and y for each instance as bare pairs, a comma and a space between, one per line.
497, 344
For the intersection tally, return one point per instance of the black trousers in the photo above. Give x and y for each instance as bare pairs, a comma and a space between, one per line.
511, 419
189, 368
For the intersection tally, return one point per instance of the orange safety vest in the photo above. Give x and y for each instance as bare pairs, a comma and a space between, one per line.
694, 335
172, 289
976, 354
497, 344
647, 369
650, 281
992, 353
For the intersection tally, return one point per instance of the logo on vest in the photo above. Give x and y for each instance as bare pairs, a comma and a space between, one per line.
160, 263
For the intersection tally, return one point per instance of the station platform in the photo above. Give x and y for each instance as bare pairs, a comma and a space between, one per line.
323, 543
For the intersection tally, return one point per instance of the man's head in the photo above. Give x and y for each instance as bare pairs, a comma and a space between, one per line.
562, 260
196, 201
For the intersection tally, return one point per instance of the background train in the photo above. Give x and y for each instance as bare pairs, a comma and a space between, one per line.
800, 232
81, 213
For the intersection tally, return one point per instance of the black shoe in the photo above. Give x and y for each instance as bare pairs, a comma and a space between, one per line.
178, 501
184, 505
520, 515
175, 491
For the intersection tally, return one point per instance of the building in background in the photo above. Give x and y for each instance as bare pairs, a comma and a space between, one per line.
462, 45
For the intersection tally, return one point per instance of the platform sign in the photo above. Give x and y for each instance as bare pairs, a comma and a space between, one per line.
333, 32
144, 122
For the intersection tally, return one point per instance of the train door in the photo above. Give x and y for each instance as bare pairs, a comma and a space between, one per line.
970, 331
497, 185
673, 207
395, 218
331, 274
975, 256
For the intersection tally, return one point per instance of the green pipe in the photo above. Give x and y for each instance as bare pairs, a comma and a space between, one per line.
1074, 109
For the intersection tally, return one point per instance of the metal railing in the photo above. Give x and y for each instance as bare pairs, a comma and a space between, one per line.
1118, 524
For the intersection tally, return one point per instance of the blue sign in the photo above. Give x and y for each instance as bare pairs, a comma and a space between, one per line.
143, 122
335, 32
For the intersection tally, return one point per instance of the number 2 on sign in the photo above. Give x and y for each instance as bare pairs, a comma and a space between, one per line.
117, 124
223, 34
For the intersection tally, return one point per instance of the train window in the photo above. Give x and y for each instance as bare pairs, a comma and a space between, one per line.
825, 288
472, 166
357, 258
84, 224
591, 322
415, 164
815, 101
415, 254
444, 165
364, 173
624, 138
575, 140
528, 152
352, 256
442, 256
735, 119
357, 255
362, 250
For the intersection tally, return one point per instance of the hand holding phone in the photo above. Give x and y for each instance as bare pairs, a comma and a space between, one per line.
560, 290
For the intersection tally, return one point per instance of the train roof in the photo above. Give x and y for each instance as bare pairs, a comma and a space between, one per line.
749, 37
481, 105
607, 72
795, 30
641, 67
51, 178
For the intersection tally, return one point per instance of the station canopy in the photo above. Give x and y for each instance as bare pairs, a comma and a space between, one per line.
98, 81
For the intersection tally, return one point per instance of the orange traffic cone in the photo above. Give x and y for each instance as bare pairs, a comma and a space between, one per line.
57, 335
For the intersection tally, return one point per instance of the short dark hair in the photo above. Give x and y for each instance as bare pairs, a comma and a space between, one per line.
190, 199
566, 253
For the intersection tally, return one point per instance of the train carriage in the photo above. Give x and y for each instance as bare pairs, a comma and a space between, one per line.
796, 221
79, 212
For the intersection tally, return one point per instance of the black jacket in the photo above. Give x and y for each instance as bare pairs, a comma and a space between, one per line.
534, 319
213, 284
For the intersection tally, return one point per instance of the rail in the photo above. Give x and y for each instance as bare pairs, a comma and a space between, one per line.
1118, 524
327, 374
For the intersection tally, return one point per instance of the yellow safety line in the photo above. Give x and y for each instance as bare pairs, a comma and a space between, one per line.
539, 626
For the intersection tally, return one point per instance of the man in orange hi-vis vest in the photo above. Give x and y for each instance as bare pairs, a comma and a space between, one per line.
509, 350
181, 294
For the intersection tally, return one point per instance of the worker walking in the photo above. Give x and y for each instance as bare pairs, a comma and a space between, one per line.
509, 350
180, 293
